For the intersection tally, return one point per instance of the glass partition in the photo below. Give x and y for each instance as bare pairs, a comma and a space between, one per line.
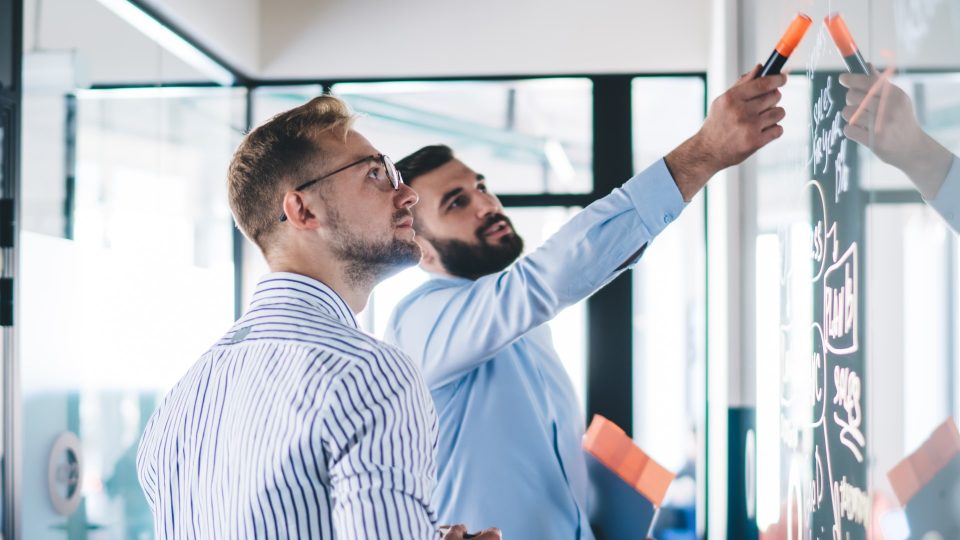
126, 256
669, 300
856, 283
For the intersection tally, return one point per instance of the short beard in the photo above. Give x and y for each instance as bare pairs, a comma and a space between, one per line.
370, 262
474, 260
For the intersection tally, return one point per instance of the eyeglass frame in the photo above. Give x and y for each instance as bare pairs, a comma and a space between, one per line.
395, 179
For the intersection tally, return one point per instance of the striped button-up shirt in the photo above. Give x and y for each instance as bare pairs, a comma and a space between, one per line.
296, 424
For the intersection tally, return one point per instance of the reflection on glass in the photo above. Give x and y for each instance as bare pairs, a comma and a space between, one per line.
856, 295
532, 136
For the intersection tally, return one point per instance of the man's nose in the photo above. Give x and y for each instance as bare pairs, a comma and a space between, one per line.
406, 197
487, 204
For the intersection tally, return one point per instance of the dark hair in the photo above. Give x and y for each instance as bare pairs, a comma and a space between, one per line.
423, 161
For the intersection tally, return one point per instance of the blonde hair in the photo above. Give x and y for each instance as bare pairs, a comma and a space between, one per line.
276, 156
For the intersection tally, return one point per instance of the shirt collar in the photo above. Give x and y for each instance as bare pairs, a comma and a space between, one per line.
445, 277
278, 286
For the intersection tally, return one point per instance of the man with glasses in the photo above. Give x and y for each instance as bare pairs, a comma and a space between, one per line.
296, 424
510, 422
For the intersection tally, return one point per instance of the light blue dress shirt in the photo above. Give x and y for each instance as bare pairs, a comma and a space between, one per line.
509, 452
947, 201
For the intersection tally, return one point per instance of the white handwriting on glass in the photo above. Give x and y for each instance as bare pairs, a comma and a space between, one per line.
840, 299
847, 383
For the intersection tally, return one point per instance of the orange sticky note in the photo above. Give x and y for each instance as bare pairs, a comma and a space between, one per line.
916, 470
611, 446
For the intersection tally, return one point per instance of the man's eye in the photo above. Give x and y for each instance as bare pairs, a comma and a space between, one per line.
482, 188
458, 202
374, 173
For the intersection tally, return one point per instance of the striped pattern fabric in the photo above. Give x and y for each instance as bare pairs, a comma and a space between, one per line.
295, 425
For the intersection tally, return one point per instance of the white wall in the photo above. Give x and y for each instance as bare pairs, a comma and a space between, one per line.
384, 38
104, 47
229, 28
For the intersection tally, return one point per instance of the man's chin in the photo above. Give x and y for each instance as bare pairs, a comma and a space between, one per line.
409, 254
510, 239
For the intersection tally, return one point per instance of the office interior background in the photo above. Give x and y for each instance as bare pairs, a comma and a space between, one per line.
121, 263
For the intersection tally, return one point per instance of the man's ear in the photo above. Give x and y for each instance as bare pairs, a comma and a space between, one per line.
303, 212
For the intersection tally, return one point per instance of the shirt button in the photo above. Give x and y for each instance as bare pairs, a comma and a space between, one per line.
667, 218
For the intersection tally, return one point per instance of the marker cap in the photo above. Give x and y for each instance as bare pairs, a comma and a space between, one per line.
840, 34
791, 38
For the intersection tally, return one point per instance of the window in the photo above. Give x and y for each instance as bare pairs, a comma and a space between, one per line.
126, 272
531, 136
669, 307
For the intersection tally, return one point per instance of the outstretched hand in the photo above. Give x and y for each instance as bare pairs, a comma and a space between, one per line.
742, 120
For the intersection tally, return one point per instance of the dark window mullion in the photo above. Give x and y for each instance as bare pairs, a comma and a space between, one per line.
546, 199
609, 311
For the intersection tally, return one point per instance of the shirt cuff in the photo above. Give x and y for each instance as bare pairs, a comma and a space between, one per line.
655, 195
947, 201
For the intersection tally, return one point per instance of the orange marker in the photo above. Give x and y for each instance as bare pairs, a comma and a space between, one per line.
844, 41
791, 38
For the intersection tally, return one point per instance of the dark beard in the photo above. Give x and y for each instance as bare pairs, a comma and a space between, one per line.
475, 260
370, 262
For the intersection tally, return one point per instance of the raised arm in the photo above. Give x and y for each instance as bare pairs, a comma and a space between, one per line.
451, 329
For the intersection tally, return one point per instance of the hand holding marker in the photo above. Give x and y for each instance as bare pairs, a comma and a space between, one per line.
791, 38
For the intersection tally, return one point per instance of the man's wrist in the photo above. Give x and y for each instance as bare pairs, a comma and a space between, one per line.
691, 165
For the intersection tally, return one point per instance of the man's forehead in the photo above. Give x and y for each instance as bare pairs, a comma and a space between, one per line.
354, 144
447, 176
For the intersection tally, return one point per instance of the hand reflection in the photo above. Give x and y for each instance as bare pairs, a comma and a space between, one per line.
884, 121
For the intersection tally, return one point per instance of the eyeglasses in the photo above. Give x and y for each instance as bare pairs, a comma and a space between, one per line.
392, 174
